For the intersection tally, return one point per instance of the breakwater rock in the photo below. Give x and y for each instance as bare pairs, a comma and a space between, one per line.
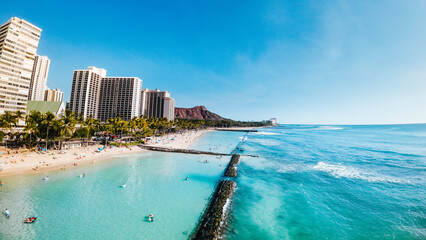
212, 222
179, 150
231, 170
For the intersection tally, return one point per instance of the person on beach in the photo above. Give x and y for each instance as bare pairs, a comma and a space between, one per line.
6, 212
1, 183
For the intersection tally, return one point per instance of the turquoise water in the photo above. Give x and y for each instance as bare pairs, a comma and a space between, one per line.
332, 182
96, 207
310, 182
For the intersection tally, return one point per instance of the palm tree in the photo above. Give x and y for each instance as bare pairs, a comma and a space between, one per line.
59, 131
47, 121
69, 121
7, 121
31, 125
122, 126
89, 123
19, 116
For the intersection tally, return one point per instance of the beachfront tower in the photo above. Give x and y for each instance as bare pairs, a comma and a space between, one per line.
85, 90
157, 104
54, 95
119, 96
18, 49
39, 78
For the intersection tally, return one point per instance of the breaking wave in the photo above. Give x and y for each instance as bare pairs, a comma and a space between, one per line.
341, 171
329, 128
266, 142
267, 133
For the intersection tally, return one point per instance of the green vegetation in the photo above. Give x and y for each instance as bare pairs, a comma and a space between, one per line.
45, 130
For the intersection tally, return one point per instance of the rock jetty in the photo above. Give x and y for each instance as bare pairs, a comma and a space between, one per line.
231, 170
211, 224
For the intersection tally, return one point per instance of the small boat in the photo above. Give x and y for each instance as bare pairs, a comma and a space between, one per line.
46, 178
6, 214
30, 220
123, 186
150, 217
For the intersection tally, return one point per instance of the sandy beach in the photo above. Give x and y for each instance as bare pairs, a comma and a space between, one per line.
29, 162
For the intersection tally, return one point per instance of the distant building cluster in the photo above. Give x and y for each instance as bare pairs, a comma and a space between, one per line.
23, 73
271, 121
101, 97
23, 83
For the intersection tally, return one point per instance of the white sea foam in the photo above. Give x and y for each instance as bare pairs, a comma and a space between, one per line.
267, 133
328, 128
225, 210
266, 142
341, 171
286, 169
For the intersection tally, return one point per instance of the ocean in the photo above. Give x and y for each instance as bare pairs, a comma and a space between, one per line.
310, 182
332, 182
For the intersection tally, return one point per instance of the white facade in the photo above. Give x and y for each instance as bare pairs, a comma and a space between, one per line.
157, 104
18, 47
85, 90
169, 108
39, 78
142, 103
54, 95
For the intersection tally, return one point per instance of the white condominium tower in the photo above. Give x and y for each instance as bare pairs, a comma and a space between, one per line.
157, 104
119, 96
85, 91
39, 78
18, 46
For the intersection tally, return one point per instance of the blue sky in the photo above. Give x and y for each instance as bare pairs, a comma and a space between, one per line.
327, 62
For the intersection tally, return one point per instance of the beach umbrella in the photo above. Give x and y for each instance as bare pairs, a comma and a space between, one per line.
44, 149
100, 149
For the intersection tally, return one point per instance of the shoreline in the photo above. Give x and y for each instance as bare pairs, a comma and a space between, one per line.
34, 162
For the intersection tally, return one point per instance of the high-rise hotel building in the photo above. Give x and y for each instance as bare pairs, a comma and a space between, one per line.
18, 47
85, 91
119, 96
54, 95
39, 78
94, 94
157, 104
